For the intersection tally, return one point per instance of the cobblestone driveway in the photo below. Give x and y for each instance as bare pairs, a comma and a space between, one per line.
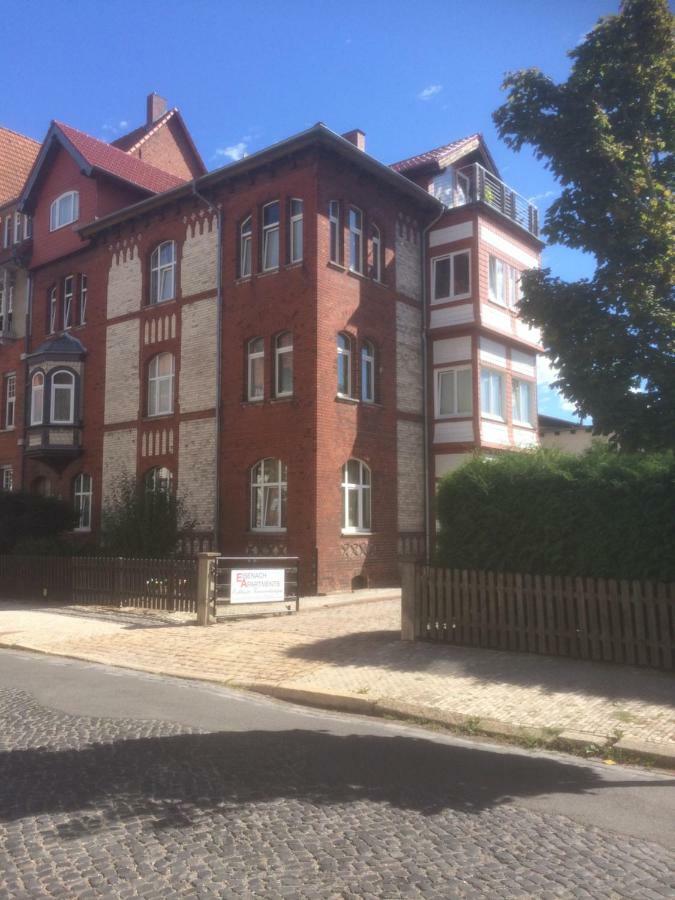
94, 807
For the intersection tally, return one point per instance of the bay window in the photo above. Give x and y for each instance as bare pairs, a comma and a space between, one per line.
37, 398
503, 283
492, 393
63, 398
451, 276
522, 402
454, 392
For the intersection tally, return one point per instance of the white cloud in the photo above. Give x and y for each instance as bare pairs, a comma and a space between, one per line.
235, 151
540, 196
430, 92
124, 124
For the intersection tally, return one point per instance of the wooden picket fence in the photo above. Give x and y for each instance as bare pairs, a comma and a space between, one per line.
166, 584
629, 622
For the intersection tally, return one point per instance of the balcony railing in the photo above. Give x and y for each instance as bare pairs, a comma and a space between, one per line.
474, 183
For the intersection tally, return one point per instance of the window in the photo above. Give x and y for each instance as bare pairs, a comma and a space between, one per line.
522, 401
160, 385
10, 401
163, 272
334, 227
68, 301
245, 243
344, 366
158, 481
355, 496
492, 393
453, 392
82, 501
83, 299
7, 481
8, 230
64, 210
256, 369
37, 396
376, 250
368, 372
53, 309
283, 377
63, 398
6, 299
355, 239
450, 276
269, 487
18, 227
270, 236
504, 283
296, 231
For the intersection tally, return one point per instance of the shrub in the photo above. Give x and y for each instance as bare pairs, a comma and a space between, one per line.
603, 514
27, 517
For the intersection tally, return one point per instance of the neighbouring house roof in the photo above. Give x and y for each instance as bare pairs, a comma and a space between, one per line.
553, 422
445, 155
17, 155
135, 139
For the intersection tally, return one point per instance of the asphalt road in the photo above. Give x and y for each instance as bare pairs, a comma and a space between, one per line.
120, 784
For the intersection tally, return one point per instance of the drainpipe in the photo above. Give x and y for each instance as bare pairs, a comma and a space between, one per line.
425, 382
219, 325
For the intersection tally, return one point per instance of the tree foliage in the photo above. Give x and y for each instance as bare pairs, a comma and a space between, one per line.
608, 136
602, 514
26, 517
140, 523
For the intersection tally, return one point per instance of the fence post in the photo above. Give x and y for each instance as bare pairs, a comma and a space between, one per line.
204, 580
408, 601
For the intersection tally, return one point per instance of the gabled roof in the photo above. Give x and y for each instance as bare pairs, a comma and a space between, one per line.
444, 156
135, 139
92, 155
17, 155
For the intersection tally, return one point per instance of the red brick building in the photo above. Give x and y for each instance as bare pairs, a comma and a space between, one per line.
296, 344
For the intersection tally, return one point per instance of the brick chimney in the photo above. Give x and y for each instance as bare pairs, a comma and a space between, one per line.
156, 107
356, 137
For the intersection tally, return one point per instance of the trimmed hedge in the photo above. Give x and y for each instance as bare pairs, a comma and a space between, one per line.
604, 514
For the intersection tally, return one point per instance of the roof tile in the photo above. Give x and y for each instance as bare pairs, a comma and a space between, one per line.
433, 156
18, 153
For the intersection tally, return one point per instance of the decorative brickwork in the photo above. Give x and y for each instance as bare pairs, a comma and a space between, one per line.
124, 281
200, 255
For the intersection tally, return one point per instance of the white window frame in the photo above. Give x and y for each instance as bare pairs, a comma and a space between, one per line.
37, 414
84, 290
376, 242
452, 296
68, 294
8, 230
516, 384
158, 481
70, 387
463, 185
155, 382
367, 363
158, 270
510, 282
261, 489
456, 412
334, 231
252, 356
18, 227
488, 413
82, 500
296, 240
57, 216
3, 299
53, 308
10, 400
344, 353
363, 489
7, 478
267, 232
279, 352
355, 240
246, 248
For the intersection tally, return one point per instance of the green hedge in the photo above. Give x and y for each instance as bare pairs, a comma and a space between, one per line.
27, 517
604, 513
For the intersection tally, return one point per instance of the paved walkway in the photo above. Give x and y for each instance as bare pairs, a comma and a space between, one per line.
352, 651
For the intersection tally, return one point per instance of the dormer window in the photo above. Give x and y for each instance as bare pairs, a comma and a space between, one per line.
64, 210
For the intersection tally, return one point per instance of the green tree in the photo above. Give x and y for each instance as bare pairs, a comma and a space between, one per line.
28, 518
607, 134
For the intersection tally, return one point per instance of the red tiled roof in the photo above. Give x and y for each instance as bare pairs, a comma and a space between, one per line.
17, 155
116, 162
434, 156
130, 141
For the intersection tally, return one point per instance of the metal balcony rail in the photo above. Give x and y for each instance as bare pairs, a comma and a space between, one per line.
475, 183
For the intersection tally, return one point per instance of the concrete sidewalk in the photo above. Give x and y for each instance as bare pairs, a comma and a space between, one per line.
345, 653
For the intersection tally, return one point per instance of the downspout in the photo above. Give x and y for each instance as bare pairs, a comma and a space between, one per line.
425, 385
26, 391
219, 325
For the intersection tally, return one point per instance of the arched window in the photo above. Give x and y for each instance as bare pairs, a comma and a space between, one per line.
82, 501
376, 251
256, 369
64, 210
158, 481
269, 485
163, 272
63, 398
368, 372
160, 385
355, 496
283, 365
37, 398
344, 365
245, 246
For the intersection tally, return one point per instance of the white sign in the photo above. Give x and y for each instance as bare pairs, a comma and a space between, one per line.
257, 585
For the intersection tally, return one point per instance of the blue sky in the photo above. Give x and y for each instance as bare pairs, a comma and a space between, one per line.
411, 75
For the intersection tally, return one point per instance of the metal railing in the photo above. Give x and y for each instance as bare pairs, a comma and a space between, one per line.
474, 183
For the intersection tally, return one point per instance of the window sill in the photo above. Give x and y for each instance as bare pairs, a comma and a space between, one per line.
518, 424
349, 532
268, 531
282, 398
243, 279
497, 305
492, 417
462, 298
252, 401
297, 264
154, 304
82, 530
266, 272
335, 265
156, 416
357, 274
454, 417
343, 398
